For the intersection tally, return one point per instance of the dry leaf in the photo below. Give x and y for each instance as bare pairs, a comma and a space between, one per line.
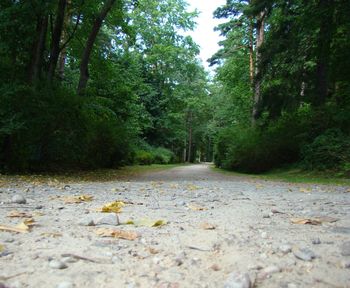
115, 207
77, 199
192, 187
23, 227
195, 207
146, 222
51, 234
326, 219
14, 214
2, 248
109, 232
305, 221
207, 226
305, 190
153, 250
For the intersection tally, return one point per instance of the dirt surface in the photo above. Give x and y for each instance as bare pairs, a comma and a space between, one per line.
221, 231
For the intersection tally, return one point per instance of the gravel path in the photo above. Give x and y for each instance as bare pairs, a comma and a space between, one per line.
221, 231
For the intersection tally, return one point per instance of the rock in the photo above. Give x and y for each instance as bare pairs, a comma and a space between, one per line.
304, 254
271, 269
55, 264
316, 241
238, 280
65, 284
19, 199
108, 219
345, 248
345, 264
38, 207
87, 221
264, 235
266, 216
181, 203
285, 248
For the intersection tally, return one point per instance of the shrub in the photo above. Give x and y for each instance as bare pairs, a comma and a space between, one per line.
330, 150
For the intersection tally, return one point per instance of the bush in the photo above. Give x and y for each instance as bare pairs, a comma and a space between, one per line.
150, 155
143, 157
53, 129
163, 156
257, 150
330, 150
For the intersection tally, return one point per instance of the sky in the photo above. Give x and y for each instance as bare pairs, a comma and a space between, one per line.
204, 34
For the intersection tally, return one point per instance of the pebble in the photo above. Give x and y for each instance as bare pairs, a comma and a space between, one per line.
55, 264
285, 248
38, 207
264, 235
19, 199
304, 254
108, 219
238, 280
271, 269
345, 264
345, 248
65, 284
316, 241
87, 221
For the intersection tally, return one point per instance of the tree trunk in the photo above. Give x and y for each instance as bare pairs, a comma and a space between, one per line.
251, 53
56, 39
190, 138
38, 49
84, 64
326, 8
257, 82
63, 54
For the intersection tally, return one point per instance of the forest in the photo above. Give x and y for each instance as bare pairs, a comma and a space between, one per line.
102, 84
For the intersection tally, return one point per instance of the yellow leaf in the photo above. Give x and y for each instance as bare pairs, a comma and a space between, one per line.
195, 207
14, 214
77, 199
23, 227
115, 207
192, 187
146, 222
2, 248
109, 232
305, 190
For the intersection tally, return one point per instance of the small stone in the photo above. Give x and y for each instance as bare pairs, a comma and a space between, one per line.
345, 264
266, 216
285, 248
181, 203
272, 269
238, 280
65, 284
345, 248
304, 254
38, 207
55, 264
108, 219
316, 241
19, 199
87, 221
264, 235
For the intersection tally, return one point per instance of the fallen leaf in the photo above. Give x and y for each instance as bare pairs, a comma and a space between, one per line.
109, 232
51, 234
2, 248
146, 222
192, 187
195, 207
207, 226
326, 219
14, 214
23, 227
305, 221
305, 190
115, 207
153, 250
78, 199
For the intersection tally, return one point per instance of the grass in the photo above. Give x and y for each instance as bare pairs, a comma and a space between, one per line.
101, 175
293, 175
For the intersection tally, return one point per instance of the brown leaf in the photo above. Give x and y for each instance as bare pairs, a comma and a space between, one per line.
122, 234
305, 221
14, 214
23, 227
77, 199
207, 226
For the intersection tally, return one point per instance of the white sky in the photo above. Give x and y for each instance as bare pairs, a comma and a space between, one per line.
204, 34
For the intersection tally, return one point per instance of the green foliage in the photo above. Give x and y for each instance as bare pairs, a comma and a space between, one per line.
330, 150
148, 155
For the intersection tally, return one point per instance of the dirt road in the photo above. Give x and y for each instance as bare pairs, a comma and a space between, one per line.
219, 231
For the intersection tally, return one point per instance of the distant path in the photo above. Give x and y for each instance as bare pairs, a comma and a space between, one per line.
194, 172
